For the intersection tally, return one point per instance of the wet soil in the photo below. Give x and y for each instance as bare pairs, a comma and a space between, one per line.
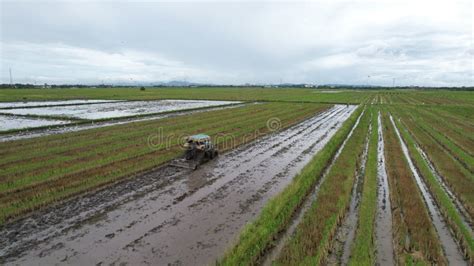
451, 249
383, 222
170, 215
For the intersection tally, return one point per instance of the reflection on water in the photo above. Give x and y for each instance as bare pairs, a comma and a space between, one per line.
115, 109
17, 122
50, 103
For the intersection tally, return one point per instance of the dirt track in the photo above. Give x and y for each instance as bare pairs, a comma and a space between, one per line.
170, 216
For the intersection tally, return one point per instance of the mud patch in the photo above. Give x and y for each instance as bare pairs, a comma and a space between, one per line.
383, 223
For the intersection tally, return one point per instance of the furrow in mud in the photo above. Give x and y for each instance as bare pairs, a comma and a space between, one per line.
273, 253
33, 133
344, 236
189, 219
383, 225
451, 249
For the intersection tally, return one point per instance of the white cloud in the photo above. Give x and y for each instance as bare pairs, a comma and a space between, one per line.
56, 62
424, 42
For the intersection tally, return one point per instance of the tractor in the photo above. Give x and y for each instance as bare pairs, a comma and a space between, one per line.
198, 150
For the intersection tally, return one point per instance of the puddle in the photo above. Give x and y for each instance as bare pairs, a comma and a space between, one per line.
450, 247
8, 122
383, 224
115, 109
189, 220
279, 243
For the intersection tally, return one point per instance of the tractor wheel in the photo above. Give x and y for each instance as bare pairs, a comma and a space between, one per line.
190, 154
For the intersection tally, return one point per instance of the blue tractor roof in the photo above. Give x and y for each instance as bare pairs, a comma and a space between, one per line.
198, 137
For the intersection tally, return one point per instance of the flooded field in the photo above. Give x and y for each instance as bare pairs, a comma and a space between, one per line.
115, 109
8, 122
174, 216
24, 114
78, 127
7, 105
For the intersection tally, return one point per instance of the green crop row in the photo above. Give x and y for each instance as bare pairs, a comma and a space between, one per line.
363, 248
415, 238
256, 237
457, 177
448, 209
314, 234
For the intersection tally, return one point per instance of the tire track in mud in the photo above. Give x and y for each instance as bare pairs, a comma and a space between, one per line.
383, 223
451, 250
279, 243
189, 219
345, 234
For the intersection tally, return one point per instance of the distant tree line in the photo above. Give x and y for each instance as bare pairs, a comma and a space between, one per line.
141, 87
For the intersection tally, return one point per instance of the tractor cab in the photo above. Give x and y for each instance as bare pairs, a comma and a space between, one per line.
199, 149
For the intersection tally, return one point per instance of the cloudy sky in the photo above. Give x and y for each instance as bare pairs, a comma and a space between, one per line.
414, 42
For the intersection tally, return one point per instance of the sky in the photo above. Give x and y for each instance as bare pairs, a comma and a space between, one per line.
389, 43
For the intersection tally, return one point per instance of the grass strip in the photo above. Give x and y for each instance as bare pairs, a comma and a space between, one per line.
363, 247
258, 236
314, 234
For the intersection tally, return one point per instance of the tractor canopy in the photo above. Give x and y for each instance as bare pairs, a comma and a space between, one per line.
198, 138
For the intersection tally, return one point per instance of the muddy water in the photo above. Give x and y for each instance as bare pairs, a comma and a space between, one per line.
74, 128
451, 250
274, 252
189, 219
383, 225
341, 250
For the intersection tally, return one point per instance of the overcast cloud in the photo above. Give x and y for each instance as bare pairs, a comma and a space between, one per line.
346, 42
